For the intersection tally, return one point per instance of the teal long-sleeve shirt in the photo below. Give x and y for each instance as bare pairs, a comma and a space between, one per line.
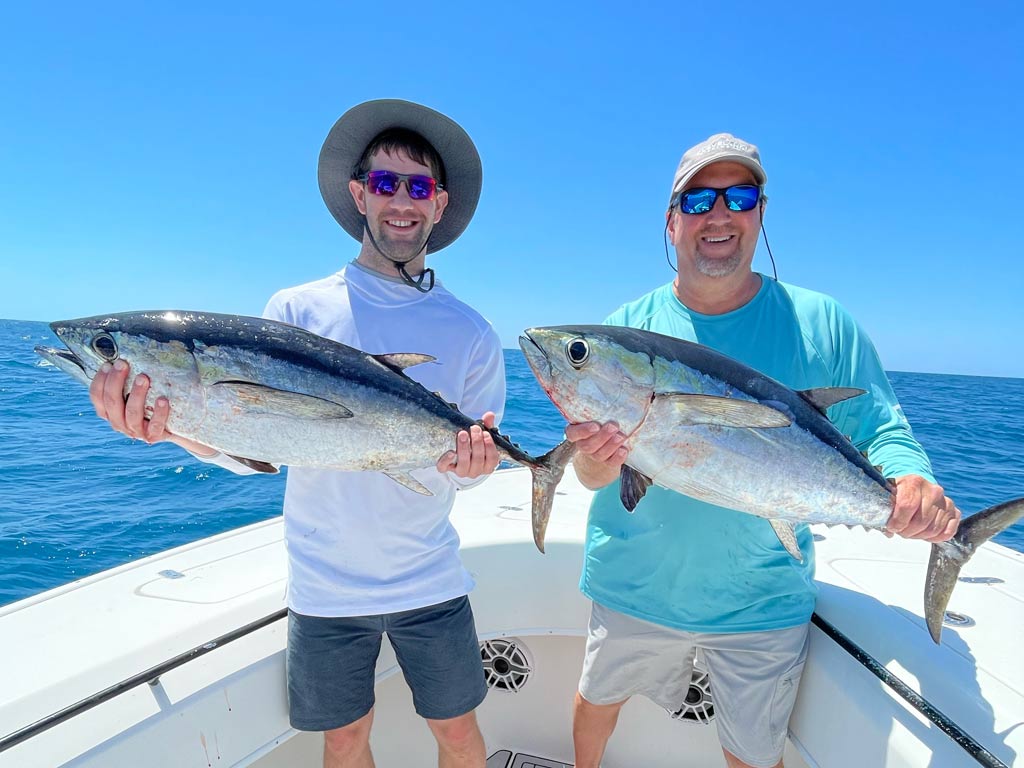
683, 563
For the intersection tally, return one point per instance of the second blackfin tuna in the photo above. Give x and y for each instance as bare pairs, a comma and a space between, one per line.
705, 425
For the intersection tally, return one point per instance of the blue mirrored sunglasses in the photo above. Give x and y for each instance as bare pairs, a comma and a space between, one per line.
739, 197
386, 183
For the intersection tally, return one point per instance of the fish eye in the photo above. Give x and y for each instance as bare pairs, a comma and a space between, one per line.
103, 345
577, 351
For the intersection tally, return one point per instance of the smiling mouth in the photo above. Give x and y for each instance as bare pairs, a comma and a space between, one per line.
400, 223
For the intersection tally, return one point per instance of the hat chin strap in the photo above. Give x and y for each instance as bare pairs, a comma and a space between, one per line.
408, 279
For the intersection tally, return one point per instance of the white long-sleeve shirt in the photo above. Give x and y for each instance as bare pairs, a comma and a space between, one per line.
358, 542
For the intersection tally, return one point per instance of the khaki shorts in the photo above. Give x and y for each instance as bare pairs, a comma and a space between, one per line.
754, 676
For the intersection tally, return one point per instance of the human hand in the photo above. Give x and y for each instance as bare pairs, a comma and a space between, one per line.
475, 453
922, 510
602, 443
128, 416
600, 452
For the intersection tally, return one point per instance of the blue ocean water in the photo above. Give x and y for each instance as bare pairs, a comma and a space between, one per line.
77, 498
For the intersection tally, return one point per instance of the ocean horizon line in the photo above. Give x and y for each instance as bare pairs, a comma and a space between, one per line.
516, 349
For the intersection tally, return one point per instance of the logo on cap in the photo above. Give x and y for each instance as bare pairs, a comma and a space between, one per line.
734, 144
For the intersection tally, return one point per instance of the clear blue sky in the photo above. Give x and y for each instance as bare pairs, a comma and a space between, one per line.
164, 155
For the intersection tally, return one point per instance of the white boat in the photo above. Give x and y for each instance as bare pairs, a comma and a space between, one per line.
178, 660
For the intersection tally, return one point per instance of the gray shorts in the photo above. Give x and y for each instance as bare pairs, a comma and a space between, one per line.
754, 676
331, 663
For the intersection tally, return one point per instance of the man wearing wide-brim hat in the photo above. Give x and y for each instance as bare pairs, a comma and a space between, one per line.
348, 184
370, 552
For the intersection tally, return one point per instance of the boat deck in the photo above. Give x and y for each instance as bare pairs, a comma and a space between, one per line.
228, 708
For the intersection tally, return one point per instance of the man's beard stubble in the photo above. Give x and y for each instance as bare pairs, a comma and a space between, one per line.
718, 267
402, 251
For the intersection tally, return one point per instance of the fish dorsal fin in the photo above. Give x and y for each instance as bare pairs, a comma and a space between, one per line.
632, 487
824, 398
263, 400
259, 466
410, 482
787, 536
691, 409
399, 361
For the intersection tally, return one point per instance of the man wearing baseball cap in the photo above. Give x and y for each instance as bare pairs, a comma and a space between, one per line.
370, 553
682, 579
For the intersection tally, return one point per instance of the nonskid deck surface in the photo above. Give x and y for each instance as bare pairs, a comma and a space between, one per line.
505, 759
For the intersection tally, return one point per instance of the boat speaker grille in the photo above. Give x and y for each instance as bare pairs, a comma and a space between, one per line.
507, 664
698, 706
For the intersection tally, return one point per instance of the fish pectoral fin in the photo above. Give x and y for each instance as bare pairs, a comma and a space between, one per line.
693, 409
410, 482
787, 536
258, 398
632, 487
259, 466
823, 398
399, 361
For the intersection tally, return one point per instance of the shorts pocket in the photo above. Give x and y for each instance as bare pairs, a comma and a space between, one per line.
782, 705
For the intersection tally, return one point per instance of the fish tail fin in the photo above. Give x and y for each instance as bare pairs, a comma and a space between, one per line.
948, 557
547, 473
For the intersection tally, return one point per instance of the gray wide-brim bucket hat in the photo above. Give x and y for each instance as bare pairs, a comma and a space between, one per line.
354, 131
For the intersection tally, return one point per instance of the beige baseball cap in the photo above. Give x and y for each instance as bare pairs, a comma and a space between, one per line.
721, 146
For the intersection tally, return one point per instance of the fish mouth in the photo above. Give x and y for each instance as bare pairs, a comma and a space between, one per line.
524, 339
535, 356
60, 357
66, 360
